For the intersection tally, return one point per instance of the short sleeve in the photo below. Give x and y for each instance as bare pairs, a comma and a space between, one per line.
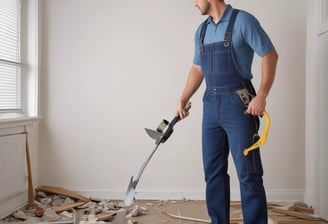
255, 36
197, 59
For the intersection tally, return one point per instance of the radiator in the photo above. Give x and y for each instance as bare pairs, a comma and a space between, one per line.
13, 174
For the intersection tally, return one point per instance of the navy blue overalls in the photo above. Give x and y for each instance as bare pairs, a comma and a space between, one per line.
225, 126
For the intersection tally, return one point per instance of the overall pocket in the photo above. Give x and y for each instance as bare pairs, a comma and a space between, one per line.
222, 63
217, 59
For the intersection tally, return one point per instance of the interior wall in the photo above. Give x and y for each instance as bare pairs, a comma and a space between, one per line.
316, 155
111, 68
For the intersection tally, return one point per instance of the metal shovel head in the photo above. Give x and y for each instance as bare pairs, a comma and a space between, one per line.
120, 217
154, 134
130, 193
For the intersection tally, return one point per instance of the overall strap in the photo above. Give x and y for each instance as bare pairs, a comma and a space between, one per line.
202, 34
228, 33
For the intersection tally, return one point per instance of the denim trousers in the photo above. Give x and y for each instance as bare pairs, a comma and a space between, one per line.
226, 128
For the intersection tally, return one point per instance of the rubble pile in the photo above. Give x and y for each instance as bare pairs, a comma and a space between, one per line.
57, 205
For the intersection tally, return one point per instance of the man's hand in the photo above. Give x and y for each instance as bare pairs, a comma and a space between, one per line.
180, 111
257, 106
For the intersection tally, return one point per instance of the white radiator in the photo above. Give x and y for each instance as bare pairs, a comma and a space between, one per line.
13, 174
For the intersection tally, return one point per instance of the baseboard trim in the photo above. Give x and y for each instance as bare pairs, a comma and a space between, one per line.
272, 195
285, 195
12, 204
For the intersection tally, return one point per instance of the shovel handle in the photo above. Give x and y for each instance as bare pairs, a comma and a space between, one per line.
169, 130
177, 118
133, 183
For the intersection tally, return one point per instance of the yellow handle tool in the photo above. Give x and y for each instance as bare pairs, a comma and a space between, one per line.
263, 137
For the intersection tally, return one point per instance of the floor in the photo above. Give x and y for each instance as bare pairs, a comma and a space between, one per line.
190, 211
61, 206
154, 212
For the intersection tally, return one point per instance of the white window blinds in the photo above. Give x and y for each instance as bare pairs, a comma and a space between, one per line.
10, 56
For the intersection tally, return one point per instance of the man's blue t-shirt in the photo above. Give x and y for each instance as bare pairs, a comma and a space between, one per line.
247, 37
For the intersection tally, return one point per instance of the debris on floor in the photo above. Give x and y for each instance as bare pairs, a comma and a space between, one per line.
60, 206
294, 213
57, 205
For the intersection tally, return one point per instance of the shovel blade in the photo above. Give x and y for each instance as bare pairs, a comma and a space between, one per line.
154, 134
130, 193
120, 217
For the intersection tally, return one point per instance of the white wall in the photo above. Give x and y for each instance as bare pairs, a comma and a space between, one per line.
111, 68
316, 107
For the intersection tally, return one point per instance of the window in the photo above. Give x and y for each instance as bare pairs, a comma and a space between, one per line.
18, 58
11, 56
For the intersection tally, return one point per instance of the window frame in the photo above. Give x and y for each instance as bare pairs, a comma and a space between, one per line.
30, 80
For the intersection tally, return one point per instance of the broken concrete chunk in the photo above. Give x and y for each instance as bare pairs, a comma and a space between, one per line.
20, 215
89, 204
57, 201
68, 201
41, 194
108, 211
136, 211
98, 210
50, 215
92, 218
46, 200
110, 205
67, 214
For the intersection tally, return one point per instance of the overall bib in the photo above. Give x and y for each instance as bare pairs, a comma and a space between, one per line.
226, 128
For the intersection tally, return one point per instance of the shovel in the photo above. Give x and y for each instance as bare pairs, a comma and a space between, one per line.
160, 135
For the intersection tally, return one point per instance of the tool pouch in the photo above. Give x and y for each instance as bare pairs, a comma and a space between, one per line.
245, 96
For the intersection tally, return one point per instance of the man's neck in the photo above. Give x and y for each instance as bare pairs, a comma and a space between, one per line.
217, 11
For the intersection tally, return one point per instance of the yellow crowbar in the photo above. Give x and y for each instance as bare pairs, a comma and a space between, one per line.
263, 137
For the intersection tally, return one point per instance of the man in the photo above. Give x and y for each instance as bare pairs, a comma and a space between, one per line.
224, 48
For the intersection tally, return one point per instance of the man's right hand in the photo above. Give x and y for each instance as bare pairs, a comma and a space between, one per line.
180, 111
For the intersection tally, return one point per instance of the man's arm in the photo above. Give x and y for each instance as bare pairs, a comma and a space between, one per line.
195, 78
269, 64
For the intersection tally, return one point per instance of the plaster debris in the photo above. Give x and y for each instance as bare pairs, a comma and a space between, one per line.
67, 214
58, 201
58, 205
50, 215
136, 211
45, 201
55, 205
21, 215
